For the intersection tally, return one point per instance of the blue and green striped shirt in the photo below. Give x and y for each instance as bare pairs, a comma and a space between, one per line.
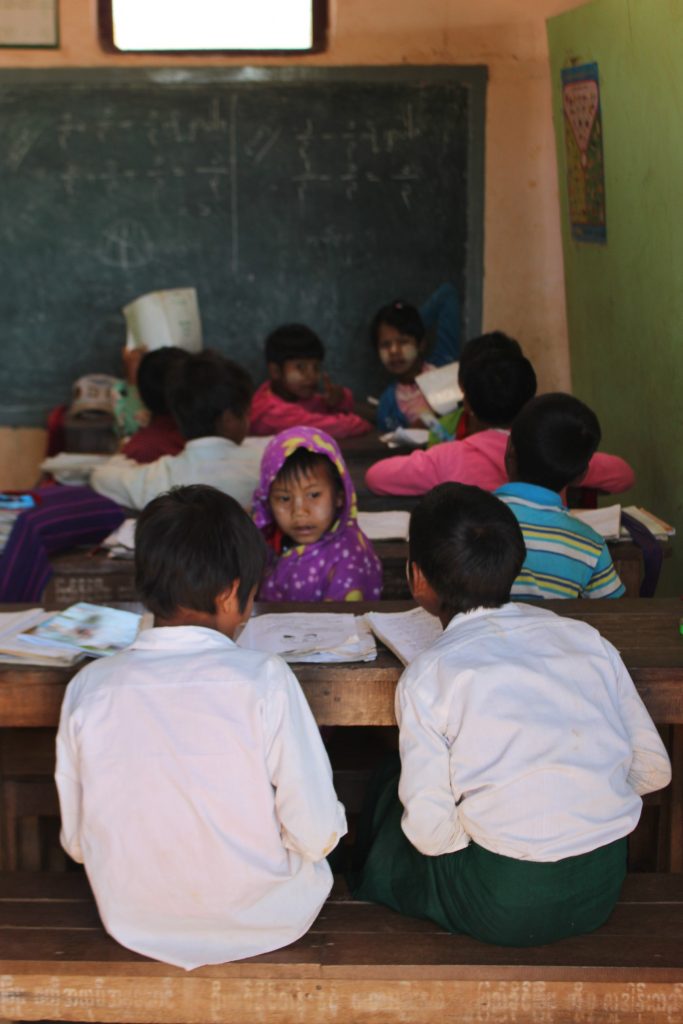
564, 557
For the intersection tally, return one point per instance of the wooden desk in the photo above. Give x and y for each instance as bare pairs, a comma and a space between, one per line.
362, 693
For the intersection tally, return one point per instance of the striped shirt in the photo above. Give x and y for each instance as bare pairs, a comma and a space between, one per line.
564, 557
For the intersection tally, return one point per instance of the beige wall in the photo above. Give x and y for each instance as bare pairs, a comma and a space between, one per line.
523, 282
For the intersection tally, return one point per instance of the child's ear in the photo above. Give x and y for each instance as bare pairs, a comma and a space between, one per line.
226, 600
422, 591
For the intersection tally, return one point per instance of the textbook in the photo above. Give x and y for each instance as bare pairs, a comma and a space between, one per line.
607, 521
407, 634
91, 629
384, 525
16, 651
441, 389
310, 636
169, 317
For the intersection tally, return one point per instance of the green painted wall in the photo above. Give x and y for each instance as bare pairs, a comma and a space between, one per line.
625, 298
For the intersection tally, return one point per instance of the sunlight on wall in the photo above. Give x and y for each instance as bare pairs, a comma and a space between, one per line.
212, 24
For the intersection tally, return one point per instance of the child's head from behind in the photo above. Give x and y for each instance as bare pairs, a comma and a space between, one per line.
294, 354
398, 334
305, 496
305, 488
198, 558
493, 343
497, 386
209, 395
465, 550
552, 441
153, 373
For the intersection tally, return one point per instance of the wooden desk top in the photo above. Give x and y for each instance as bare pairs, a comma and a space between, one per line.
362, 693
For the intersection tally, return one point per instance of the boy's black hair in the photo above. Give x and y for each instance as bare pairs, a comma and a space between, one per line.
190, 545
152, 372
468, 545
293, 341
401, 315
554, 437
495, 342
202, 387
498, 386
300, 463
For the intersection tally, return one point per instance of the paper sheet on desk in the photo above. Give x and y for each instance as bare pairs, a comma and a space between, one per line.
385, 525
310, 636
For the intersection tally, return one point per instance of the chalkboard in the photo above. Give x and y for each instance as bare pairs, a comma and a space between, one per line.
314, 195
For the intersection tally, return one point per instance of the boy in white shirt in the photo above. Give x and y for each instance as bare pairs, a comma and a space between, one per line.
192, 779
524, 746
209, 397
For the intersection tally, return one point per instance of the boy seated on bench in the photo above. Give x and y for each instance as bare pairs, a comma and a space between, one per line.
192, 779
524, 748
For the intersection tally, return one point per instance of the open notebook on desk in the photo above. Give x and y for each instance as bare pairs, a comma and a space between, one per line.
407, 634
310, 636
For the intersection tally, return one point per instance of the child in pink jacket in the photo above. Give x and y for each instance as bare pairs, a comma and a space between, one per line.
496, 387
290, 397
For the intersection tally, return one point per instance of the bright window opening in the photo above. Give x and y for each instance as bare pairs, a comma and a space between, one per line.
179, 25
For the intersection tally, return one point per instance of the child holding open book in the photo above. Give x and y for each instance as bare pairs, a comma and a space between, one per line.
192, 779
524, 748
306, 509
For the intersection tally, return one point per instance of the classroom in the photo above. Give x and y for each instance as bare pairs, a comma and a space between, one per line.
596, 315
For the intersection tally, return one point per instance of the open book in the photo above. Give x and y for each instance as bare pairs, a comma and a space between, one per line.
90, 629
385, 525
169, 317
14, 650
310, 636
607, 521
407, 634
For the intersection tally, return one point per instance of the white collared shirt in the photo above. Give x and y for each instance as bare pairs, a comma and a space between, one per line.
230, 467
195, 787
522, 730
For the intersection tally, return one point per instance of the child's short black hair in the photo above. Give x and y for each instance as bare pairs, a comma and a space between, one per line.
190, 545
202, 387
293, 341
468, 545
495, 342
152, 372
554, 437
401, 315
498, 386
300, 464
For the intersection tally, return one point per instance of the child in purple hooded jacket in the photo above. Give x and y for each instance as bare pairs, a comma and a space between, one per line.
306, 508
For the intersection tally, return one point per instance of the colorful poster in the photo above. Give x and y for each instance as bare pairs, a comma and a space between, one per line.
583, 147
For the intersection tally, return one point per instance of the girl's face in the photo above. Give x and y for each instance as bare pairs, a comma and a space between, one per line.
401, 354
297, 379
305, 507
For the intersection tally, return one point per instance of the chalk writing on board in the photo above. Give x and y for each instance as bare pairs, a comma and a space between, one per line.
125, 244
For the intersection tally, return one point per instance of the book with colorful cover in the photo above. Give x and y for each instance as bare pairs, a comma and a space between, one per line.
94, 629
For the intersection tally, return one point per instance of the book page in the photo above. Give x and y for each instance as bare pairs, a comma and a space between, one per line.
384, 525
169, 317
441, 389
310, 636
653, 523
407, 634
605, 521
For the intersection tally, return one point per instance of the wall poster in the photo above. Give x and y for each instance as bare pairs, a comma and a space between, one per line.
584, 153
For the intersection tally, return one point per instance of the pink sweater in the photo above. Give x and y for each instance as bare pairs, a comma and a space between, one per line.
479, 460
270, 414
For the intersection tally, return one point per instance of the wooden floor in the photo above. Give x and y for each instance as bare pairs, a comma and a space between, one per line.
358, 963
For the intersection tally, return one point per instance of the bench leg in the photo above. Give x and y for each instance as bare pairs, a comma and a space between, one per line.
676, 823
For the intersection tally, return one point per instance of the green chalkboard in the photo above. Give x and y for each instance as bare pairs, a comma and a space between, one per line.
309, 194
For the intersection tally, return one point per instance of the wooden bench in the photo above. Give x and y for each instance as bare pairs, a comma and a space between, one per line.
359, 962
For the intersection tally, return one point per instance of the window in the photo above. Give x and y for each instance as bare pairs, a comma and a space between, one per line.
185, 26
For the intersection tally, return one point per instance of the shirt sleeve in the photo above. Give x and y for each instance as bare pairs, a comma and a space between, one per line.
129, 483
442, 310
283, 415
311, 818
650, 766
430, 817
608, 473
67, 778
604, 581
418, 472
